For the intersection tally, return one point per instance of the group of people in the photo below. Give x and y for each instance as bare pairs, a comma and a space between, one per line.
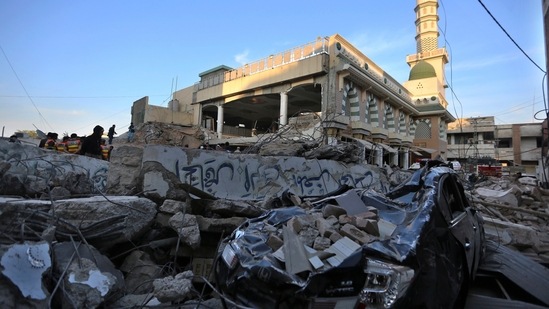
94, 145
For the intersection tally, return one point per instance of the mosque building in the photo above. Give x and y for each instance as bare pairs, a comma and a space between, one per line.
333, 87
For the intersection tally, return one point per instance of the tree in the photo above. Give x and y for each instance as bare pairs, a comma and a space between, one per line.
29, 133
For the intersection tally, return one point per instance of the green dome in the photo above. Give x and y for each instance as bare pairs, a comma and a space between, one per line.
422, 70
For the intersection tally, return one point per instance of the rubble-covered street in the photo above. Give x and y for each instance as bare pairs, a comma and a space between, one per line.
144, 229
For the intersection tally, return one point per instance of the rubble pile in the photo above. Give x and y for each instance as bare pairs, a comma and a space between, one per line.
320, 234
144, 250
516, 212
164, 134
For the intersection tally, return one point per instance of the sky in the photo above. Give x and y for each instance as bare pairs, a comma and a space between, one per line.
69, 65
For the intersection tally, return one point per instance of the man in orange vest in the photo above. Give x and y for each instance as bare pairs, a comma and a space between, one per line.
105, 150
73, 143
51, 142
62, 145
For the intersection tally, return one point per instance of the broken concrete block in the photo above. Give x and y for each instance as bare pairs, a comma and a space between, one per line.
219, 225
333, 210
295, 199
124, 217
173, 289
57, 193
173, 207
325, 229
295, 224
507, 197
372, 209
186, 226
24, 265
160, 184
230, 208
355, 234
308, 236
124, 169
367, 215
274, 242
322, 243
332, 220
371, 227
345, 219
528, 181
335, 237
90, 277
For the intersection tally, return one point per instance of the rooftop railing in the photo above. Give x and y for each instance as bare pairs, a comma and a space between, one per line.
320, 46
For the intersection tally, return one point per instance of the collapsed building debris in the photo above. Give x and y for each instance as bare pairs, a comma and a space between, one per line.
155, 212
335, 246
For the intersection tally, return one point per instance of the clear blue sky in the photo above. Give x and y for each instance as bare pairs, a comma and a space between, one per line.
68, 65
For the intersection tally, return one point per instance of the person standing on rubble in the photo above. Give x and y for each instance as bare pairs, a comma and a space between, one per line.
111, 134
131, 131
91, 146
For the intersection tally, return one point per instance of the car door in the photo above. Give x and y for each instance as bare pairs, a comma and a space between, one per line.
460, 220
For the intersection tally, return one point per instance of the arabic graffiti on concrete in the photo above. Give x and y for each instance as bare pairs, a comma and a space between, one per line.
99, 179
254, 178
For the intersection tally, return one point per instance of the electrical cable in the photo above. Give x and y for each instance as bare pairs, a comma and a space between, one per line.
24, 88
509, 36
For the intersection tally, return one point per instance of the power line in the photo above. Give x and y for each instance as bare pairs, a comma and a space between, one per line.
489, 13
23, 86
454, 95
518, 107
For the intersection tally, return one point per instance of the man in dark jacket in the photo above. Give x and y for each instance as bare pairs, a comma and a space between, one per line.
91, 146
111, 134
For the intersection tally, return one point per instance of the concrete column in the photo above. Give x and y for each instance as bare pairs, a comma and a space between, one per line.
220, 121
406, 159
379, 157
283, 109
395, 158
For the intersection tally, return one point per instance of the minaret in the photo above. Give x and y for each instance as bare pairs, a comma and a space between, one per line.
427, 40
426, 25
426, 82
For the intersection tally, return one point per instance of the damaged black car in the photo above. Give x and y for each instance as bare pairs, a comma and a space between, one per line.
417, 246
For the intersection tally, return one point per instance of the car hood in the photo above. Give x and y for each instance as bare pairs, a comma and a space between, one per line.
408, 208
